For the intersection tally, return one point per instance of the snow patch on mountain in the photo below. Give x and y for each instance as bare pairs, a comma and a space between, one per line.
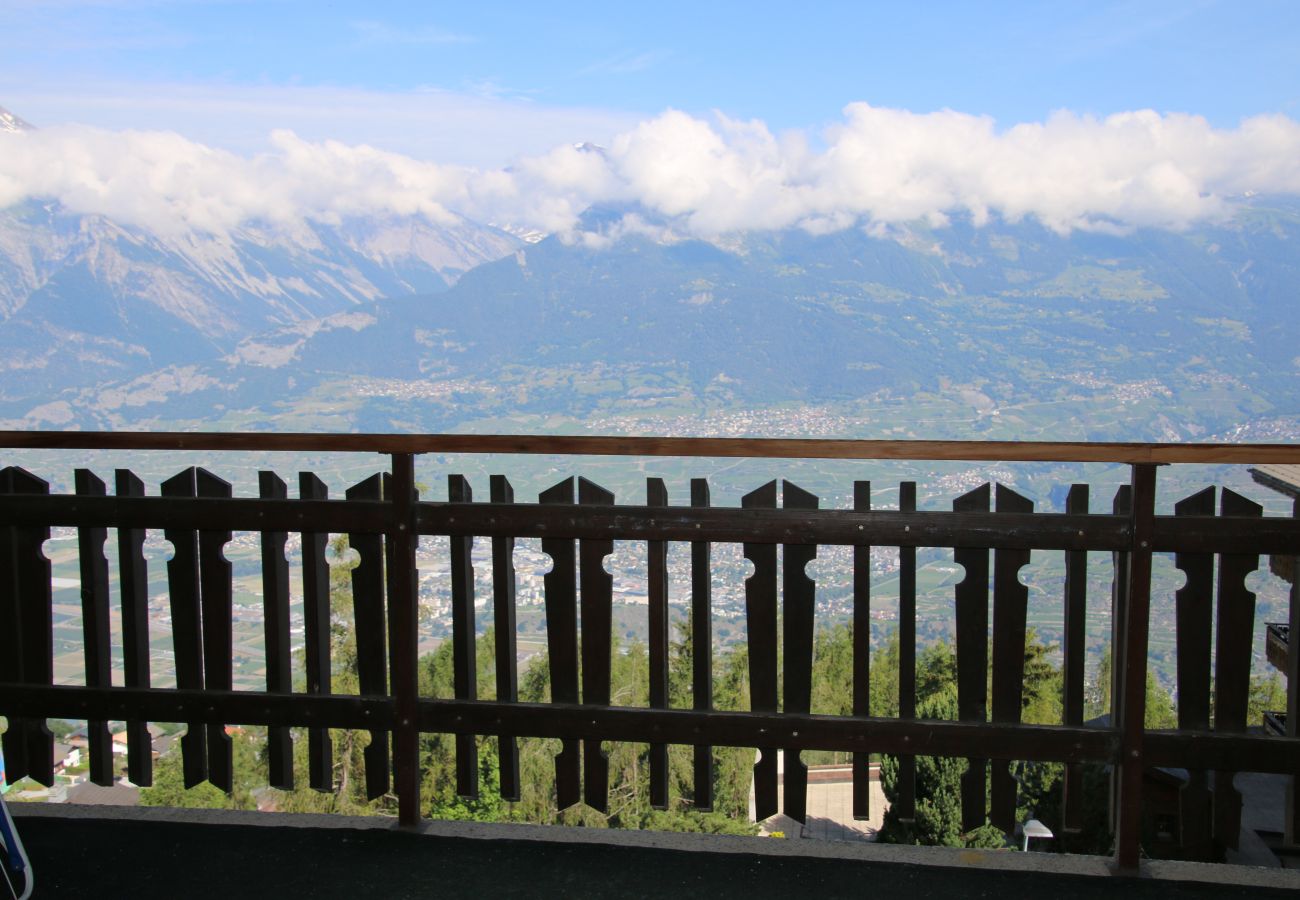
74, 287
156, 387
51, 346
13, 124
281, 347
524, 233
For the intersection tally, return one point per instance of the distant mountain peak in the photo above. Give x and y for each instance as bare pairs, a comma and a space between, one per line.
523, 232
10, 122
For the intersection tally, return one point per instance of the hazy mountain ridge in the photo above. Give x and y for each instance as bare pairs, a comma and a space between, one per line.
84, 298
1192, 333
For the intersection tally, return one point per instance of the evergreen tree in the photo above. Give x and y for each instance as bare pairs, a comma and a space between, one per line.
938, 779
168, 788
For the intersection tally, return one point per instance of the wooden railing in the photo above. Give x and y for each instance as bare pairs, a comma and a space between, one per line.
577, 525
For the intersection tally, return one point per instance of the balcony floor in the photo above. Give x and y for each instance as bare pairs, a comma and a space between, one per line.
92, 851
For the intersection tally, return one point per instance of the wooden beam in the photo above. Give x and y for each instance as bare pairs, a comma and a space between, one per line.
1131, 672
929, 737
603, 445
740, 729
1041, 531
168, 705
193, 513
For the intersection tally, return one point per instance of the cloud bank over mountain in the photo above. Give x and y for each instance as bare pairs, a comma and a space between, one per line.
875, 168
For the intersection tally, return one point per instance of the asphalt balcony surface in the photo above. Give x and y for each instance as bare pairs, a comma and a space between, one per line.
98, 854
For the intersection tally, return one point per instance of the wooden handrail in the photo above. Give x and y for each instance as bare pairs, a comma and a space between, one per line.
611, 445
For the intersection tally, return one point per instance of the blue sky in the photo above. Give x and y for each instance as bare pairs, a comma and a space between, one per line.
228, 72
715, 117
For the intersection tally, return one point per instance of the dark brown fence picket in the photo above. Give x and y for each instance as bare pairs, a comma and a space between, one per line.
94, 626
133, 581
1122, 505
906, 805
972, 600
464, 664
862, 654
507, 661
657, 615
760, 624
215, 599
560, 584
187, 625
1131, 664
1010, 607
401, 544
597, 631
275, 628
798, 600
368, 611
702, 648
316, 631
1073, 651
1234, 637
1193, 617
26, 599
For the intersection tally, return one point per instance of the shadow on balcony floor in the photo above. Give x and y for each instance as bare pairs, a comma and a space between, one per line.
167, 853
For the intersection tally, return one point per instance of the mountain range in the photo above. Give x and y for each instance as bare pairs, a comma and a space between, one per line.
385, 322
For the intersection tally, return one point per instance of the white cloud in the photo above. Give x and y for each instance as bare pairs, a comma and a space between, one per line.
875, 168
164, 182
885, 166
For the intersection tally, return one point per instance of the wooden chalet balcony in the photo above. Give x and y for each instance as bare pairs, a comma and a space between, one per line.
1278, 645
992, 529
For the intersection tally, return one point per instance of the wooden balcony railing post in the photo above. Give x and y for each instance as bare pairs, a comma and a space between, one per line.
906, 806
1074, 649
1130, 669
404, 641
702, 648
370, 625
862, 654
1122, 505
